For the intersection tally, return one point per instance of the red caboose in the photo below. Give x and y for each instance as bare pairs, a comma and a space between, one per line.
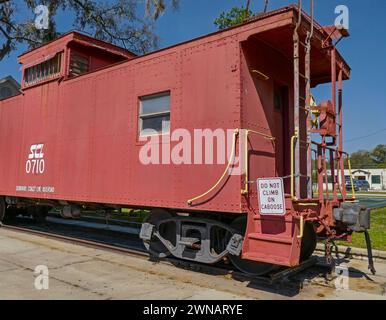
212, 135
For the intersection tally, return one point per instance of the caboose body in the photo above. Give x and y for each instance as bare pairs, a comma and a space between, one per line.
77, 134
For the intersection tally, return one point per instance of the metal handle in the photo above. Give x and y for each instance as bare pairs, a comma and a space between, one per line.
231, 157
301, 225
293, 139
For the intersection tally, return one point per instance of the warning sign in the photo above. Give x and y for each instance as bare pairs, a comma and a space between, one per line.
271, 196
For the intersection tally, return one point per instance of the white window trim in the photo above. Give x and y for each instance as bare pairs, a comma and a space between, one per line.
153, 114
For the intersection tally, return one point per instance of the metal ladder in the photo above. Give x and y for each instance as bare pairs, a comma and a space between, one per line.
302, 103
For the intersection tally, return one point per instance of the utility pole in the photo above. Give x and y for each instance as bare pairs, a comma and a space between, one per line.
246, 15
266, 6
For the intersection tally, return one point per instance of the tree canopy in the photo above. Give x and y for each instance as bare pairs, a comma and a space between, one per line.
232, 18
128, 23
237, 15
375, 158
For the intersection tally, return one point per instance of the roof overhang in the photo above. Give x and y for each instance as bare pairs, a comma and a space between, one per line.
278, 32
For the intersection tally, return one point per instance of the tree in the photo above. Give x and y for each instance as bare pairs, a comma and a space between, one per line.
364, 159
156, 7
379, 154
236, 15
232, 18
361, 160
128, 23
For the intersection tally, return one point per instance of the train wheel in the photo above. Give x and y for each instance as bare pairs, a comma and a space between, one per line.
309, 242
247, 266
2, 209
167, 230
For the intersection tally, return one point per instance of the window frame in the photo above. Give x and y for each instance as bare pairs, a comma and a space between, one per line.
76, 56
150, 115
378, 177
43, 71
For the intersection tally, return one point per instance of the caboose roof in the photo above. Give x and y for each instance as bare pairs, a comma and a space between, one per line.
278, 28
50, 48
276, 34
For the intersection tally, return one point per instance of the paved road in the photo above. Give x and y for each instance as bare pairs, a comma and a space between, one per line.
372, 202
78, 272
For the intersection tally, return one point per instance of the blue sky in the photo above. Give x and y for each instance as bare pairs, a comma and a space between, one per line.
365, 51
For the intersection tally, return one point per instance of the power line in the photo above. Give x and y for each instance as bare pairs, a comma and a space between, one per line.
366, 136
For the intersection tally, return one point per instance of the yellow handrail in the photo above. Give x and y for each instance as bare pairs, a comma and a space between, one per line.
265, 77
293, 138
245, 191
301, 226
235, 134
351, 179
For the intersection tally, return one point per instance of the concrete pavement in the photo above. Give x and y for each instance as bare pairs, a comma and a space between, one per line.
78, 272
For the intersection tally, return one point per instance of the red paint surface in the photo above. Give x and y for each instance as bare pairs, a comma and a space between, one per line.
89, 126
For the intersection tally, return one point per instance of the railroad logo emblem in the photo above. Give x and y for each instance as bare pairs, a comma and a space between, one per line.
35, 163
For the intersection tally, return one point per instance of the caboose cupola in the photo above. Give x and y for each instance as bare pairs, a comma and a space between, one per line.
70, 55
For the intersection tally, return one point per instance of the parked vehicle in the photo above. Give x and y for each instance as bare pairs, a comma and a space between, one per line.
356, 185
363, 185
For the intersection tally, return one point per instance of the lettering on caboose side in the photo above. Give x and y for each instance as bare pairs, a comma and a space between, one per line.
35, 165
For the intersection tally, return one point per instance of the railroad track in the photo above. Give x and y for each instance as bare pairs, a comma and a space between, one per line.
89, 243
135, 248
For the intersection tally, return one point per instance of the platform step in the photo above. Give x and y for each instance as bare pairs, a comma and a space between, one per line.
270, 238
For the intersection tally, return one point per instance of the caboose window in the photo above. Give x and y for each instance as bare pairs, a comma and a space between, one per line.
46, 70
154, 114
78, 64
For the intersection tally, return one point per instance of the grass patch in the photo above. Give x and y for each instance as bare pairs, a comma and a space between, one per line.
368, 193
377, 232
132, 215
136, 215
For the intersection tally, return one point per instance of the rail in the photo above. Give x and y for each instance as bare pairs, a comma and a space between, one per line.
190, 265
293, 139
334, 173
323, 177
301, 226
231, 157
351, 178
245, 190
321, 168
